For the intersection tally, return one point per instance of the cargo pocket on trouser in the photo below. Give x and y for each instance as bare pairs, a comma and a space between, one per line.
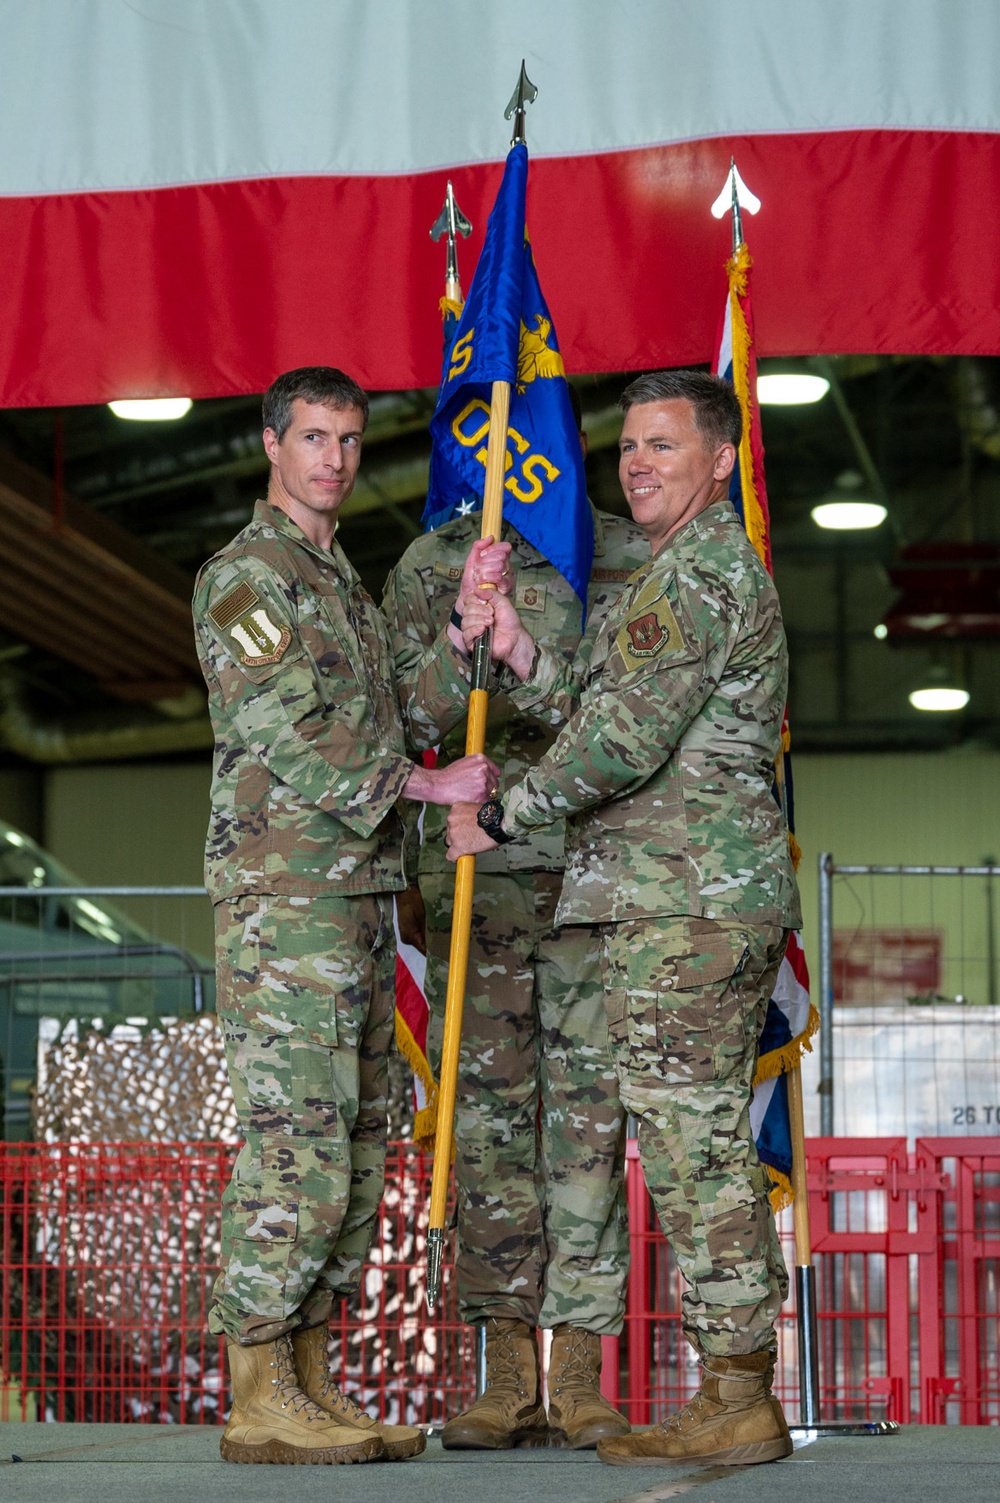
259, 1237
670, 1009
616, 996
693, 994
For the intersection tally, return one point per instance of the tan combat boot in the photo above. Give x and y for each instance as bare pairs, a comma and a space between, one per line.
733, 1420
272, 1420
579, 1414
510, 1412
312, 1368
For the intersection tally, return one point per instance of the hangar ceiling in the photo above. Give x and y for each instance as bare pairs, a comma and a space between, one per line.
104, 522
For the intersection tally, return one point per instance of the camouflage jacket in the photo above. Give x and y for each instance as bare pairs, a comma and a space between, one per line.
433, 678
665, 768
309, 755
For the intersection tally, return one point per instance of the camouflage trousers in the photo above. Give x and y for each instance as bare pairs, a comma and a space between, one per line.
686, 1002
539, 1128
305, 997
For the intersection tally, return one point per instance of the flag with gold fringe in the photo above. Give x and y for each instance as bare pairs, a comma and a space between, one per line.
448, 496
412, 1018
791, 1018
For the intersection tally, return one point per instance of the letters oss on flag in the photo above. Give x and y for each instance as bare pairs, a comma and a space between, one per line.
791, 1018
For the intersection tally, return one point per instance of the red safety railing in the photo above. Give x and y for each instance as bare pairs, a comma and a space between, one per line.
109, 1252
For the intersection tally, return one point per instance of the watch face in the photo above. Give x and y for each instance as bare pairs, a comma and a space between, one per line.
490, 817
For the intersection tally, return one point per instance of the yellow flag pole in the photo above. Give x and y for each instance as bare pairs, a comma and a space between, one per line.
465, 873
475, 741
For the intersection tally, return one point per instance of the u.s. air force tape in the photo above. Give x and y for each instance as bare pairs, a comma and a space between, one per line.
259, 639
651, 627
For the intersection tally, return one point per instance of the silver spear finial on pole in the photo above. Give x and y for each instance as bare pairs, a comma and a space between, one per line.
451, 222
735, 197
737, 216
523, 95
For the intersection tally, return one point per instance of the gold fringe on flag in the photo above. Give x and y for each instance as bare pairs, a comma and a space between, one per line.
778, 1061
782, 1193
738, 268
449, 305
425, 1121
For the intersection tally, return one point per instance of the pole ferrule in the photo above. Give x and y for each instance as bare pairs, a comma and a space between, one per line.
435, 1255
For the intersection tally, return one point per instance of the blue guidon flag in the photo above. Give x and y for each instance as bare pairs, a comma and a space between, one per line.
448, 494
505, 333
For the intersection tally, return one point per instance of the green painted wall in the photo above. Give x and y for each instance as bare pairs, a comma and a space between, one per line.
136, 825
145, 823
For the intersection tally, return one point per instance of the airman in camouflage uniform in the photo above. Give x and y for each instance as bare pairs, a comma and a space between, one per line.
670, 723
539, 1127
304, 851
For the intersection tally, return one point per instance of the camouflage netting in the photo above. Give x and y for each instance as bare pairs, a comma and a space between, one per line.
167, 1084
161, 1085
124, 1324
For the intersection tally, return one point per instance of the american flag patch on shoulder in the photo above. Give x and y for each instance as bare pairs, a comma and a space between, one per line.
239, 600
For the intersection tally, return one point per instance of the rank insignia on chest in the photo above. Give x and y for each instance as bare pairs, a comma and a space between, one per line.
259, 639
651, 628
530, 597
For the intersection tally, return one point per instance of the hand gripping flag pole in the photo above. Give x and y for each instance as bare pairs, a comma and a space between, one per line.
475, 741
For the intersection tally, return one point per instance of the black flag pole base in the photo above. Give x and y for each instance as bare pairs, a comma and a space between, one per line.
836, 1429
435, 1255
811, 1427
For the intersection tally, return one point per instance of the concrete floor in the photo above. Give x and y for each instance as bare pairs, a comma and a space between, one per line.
125, 1463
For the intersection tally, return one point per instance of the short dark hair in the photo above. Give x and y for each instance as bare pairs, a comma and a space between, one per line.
717, 414
310, 383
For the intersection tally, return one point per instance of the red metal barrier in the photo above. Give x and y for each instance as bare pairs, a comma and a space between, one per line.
960, 1297
658, 1369
109, 1252
109, 1256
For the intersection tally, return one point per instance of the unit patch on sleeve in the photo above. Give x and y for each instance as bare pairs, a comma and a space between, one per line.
259, 639
651, 627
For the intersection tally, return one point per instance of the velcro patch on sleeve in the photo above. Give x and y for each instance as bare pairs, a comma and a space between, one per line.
651, 627
259, 639
229, 609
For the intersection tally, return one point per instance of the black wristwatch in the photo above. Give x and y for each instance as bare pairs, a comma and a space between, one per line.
490, 819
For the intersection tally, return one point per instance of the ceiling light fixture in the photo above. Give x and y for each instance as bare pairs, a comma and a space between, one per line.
942, 698
792, 389
939, 690
151, 409
848, 516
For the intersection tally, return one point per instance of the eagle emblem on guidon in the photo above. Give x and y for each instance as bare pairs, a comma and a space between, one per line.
535, 357
646, 635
